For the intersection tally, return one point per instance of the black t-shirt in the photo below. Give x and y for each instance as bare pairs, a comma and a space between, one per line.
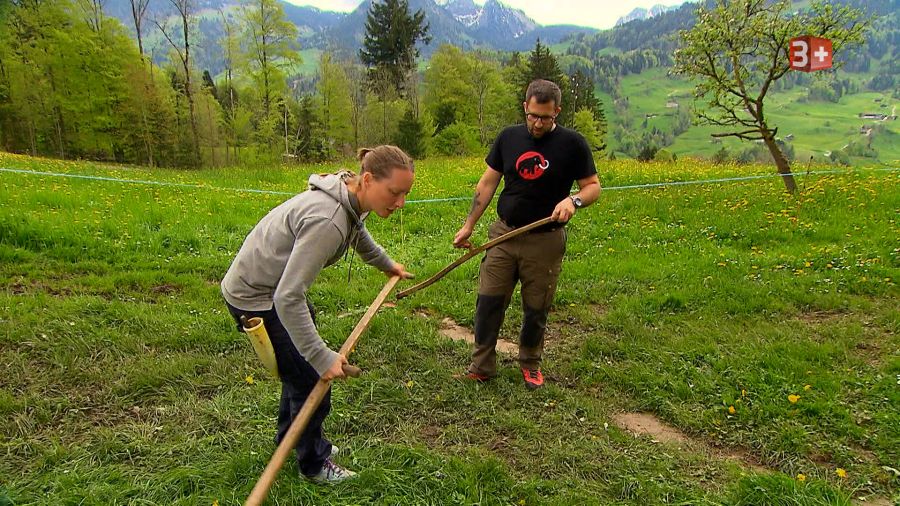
537, 173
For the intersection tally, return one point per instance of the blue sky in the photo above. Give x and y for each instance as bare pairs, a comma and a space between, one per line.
593, 13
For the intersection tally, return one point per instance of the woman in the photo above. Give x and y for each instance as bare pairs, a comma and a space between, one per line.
280, 260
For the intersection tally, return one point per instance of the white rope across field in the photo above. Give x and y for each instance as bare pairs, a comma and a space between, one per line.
445, 199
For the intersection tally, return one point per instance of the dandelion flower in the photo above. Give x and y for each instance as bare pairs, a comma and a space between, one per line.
793, 398
807, 387
801, 477
841, 472
731, 410
249, 379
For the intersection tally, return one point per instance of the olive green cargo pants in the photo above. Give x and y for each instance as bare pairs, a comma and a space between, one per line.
535, 259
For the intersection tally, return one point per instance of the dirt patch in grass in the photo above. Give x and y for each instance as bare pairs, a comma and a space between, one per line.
55, 289
818, 317
865, 455
453, 330
449, 328
17, 288
431, 434
821, 459
502, 447
499, 444
164, 289
645, 424
874, 501
35, 287
869, 352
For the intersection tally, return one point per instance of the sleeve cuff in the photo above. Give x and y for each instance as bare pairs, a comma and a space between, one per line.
323, 360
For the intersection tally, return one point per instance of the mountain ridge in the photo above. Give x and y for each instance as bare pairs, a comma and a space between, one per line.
492, 26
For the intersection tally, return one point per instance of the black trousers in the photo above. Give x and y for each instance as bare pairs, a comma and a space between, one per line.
297, 381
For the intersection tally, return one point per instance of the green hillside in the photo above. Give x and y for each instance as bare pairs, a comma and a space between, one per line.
817, 127
817, 114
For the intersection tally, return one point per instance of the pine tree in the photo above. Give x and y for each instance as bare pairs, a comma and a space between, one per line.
411, 135
390, 43
389, 51
543, 65
581, 97
308, 142
209, 85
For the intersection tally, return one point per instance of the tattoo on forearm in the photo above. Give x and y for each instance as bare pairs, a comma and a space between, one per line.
475, 203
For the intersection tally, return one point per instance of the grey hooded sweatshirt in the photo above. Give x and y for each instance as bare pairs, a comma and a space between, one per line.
285, 251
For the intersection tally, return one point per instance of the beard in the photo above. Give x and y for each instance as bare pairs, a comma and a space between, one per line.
535, 131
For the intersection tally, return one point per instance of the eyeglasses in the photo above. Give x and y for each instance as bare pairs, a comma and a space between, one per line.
544, 119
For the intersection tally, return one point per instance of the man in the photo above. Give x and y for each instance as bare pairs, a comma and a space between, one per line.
538, 162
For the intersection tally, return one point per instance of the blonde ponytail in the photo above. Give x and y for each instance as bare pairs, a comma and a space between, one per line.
381, 160
362, 152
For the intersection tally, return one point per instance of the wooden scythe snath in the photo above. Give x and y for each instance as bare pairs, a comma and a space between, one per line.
472, 252
261, 489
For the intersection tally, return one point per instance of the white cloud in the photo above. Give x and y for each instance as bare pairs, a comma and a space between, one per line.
329, 5
582, 12
594, 13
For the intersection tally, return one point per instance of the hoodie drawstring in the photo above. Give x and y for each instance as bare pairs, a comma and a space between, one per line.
355, 244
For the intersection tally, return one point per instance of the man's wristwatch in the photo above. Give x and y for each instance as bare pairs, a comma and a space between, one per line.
576, 200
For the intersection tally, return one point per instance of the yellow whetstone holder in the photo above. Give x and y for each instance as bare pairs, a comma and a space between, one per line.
255, 329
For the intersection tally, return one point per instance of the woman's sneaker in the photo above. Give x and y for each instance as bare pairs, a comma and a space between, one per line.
331, 473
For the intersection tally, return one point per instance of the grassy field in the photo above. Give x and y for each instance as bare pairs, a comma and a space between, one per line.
759, 325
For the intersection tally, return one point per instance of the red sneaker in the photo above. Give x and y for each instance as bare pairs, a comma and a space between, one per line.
533, 378
473, 376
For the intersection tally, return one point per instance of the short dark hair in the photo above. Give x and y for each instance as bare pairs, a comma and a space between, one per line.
543, 91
